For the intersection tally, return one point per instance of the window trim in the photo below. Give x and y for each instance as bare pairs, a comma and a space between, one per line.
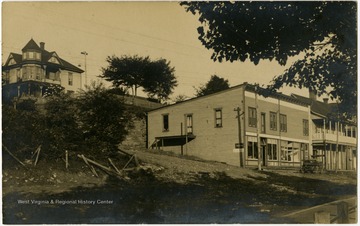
220, 125
263, 125
283, 124
273, 124
70, 79
163, 122
254, 149
186, 124
272, 151
252, 121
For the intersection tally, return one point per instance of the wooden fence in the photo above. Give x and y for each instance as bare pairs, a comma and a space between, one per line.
343, 211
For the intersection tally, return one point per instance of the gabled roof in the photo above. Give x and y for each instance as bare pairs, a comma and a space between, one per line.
15, 56
318, 107
70, 67
250, 88
45, 56
31, 45
264, 92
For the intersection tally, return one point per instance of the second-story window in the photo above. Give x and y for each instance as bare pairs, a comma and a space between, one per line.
165, 122
305, 127
37, 56
252, 117
70, 79
263, 122
283, 123
18, 76
38, 73
218, 118
273, 121
24, 73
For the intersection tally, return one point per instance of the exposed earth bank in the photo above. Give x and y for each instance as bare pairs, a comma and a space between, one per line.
165, 189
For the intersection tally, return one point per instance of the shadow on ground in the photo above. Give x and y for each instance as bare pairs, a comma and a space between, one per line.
206, 199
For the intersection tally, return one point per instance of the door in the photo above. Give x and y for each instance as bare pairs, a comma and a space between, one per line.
263, 124
189, 124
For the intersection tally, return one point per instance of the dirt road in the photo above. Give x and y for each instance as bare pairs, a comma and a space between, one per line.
168, 189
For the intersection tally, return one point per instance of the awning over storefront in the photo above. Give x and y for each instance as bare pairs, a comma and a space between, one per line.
178, 140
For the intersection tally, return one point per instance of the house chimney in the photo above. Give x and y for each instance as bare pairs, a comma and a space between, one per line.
326, 100
312, 94
42, 45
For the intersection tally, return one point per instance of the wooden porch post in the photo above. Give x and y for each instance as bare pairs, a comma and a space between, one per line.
324, 138
337, 147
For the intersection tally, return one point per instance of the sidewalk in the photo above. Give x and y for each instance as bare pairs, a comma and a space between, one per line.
306, 216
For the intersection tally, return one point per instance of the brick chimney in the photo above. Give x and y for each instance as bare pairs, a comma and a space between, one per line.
326, 100
42, 45
312, 94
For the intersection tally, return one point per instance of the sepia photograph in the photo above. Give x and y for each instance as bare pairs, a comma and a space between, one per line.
166, 112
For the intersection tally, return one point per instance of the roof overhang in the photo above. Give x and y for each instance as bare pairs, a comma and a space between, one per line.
178, 140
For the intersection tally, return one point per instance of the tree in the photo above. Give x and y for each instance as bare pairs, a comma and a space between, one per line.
126, 71
23, 128
324, 31
159, 80
156, 77
62, 130
95, 122
215, 84
180, 98
103, 118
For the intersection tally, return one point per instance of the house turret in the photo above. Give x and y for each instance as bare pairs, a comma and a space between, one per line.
31, 52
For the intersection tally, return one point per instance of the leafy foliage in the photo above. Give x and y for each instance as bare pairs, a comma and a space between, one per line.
23, 128
95, 122
53, 90
156, 77
215, 84
180, 98
62, 126
119, 91
159, 80
103, 118
126, 71
324, 31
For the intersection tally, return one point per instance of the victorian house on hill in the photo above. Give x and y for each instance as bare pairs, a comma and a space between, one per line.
36, 72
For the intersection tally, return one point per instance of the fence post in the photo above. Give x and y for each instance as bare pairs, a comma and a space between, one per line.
343, 212
322, 217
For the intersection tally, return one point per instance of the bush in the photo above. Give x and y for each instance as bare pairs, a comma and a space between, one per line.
93, 123
104, 119
23, 129
62, 125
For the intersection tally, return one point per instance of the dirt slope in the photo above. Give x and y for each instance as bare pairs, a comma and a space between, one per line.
181, 169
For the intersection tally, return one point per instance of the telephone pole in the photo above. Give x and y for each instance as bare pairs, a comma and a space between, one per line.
258, 128
85, 54
241, 145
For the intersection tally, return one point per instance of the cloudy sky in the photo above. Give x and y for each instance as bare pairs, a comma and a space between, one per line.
155, 29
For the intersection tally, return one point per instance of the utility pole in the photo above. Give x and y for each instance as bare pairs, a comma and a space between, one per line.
337, 146
258, 128
241, 145
85, 54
